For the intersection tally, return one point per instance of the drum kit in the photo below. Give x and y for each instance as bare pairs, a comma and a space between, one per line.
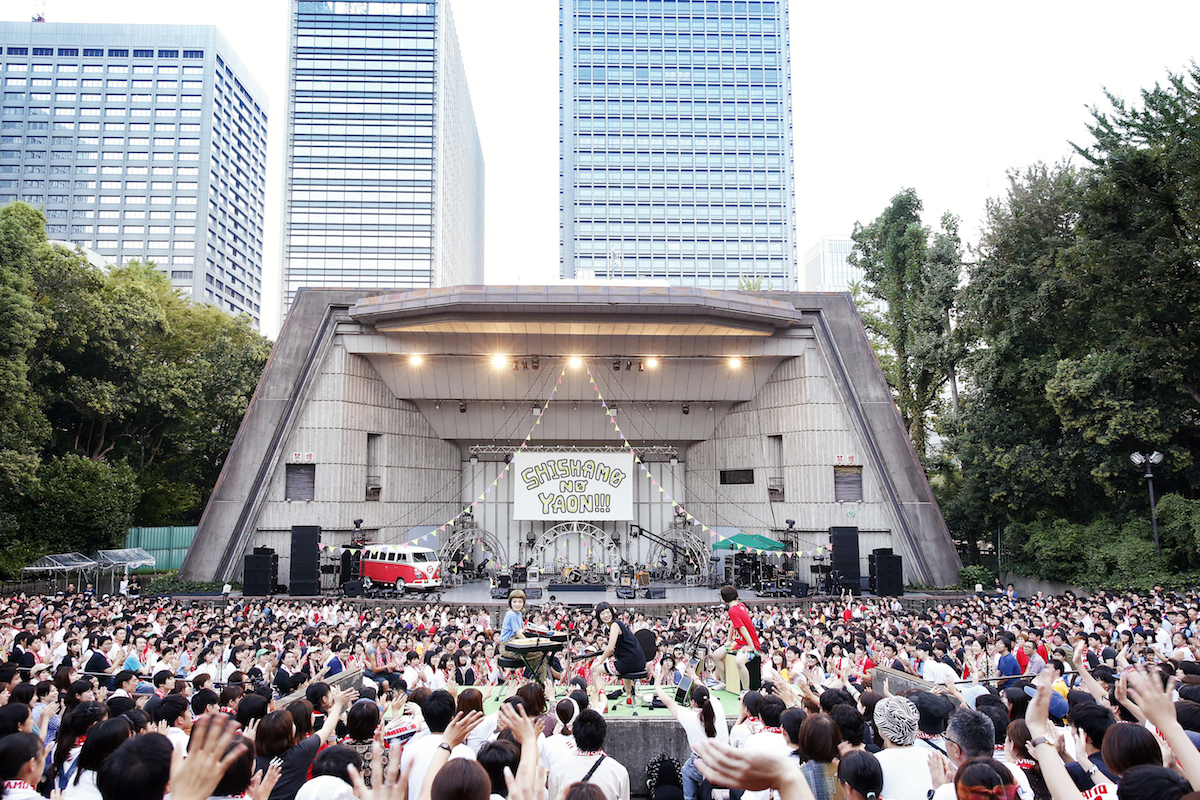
593, 574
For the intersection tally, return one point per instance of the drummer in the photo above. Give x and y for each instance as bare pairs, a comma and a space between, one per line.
514, 628
622, 647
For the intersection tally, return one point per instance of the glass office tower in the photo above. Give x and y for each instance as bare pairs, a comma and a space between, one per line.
384, 174
827, 267
140, 142
676, 142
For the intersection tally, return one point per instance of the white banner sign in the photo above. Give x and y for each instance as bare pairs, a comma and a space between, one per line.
573, 486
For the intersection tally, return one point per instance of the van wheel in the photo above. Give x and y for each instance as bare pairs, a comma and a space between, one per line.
400, 586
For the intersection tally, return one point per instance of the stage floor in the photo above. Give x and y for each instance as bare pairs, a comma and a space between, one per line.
479, 593
618, 708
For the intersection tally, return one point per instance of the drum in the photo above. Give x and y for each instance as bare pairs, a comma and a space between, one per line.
575, 575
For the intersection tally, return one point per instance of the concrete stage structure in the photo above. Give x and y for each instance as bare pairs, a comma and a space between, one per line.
572, 427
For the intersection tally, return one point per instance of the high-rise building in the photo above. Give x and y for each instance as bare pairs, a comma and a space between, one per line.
140, 142
676, 142
826, 268
384, 174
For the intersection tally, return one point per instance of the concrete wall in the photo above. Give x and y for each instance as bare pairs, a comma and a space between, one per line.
635, 741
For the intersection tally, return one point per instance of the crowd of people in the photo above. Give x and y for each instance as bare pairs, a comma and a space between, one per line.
985, 697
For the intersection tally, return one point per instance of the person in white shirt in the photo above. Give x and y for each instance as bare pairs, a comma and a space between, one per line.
175, 711
438, 710
702, 720
770, 740
905, 767
25, 760
562, 742
589, 763
102, 741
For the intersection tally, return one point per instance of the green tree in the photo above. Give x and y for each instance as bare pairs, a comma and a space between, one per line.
915, 281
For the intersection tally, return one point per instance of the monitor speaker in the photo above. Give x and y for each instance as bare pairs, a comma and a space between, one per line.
306, 540
844, 541
799, 589
533, 593
658, 593
353, 588
625, 592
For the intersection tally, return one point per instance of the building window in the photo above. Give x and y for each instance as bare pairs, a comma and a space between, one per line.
112, 53
300, 482
737, 477
847, 484
143, 54
193, 54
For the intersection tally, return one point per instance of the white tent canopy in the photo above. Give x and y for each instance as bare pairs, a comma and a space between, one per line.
62, 563
124, 559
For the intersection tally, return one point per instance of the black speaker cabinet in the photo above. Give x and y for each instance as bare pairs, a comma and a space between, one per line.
260, 573
844, 541
353, 588
303, 576
799, 589
533, 593
889, 576
625, 592
658, 593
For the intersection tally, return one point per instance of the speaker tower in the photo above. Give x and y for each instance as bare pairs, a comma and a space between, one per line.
304, 581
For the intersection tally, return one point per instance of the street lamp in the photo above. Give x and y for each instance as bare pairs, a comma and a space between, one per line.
1154, 458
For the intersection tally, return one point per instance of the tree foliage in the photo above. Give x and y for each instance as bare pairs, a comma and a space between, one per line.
1082, 312
121, 397
913, 274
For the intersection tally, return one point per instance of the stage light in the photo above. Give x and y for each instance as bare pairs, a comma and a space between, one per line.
517, 365
616, 537
535, 363
735, 362
437, 405
537, 411
462, 408
641, 366
687, 409
474, 459
616, 365
415, 359
652, 362
791, 523
574, 406
576, 362
710, 408
674, 460
499, 361
628, 366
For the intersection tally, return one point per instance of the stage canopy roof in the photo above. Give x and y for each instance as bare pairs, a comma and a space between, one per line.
748, 541
61, 562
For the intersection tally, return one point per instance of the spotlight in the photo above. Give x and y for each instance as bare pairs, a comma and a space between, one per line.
503, 406
474, 459
628, 366
531, 539
616, 365
616, 537
576, 362
674, 460
574, 406
499, 361
535, 363
517, 365
651, 362
508, 458
710, 408
641, 366
415, 359
687, 409
537, 411
791, 523
462, 408
635, 531
437, 405
735, 362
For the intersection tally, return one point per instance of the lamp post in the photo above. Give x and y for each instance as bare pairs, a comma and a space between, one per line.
1148, 461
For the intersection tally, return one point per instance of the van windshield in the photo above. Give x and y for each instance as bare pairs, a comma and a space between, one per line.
419, 556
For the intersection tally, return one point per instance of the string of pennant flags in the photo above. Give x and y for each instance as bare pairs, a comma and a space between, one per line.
675, 504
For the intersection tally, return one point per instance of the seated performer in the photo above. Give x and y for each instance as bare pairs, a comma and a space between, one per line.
622, 647
742, 640
514, 628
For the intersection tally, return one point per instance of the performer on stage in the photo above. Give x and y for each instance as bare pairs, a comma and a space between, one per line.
514, 628
742, 640
622, 647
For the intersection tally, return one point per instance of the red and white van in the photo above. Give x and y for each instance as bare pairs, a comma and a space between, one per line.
400, 565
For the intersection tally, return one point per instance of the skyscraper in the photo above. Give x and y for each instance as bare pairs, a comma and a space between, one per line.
384, 174
140, 142
826, 268
676, 142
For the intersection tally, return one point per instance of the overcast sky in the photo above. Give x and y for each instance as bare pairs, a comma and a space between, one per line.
944, 97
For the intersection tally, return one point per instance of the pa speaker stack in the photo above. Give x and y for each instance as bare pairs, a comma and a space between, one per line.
844, 541
887, 573
260, 572
305, 558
